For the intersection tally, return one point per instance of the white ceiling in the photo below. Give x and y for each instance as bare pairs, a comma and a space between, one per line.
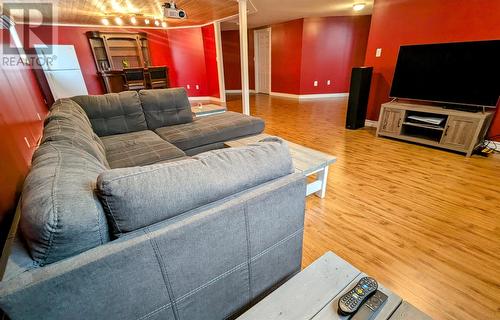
266, 12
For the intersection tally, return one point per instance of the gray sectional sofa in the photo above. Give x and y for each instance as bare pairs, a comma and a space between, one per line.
125, 216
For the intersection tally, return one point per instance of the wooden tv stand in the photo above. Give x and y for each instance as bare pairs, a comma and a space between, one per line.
460, 131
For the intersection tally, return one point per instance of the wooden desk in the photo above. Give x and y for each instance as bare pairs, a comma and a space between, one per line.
114, 80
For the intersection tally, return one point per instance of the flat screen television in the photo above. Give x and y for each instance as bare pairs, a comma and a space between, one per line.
461, 73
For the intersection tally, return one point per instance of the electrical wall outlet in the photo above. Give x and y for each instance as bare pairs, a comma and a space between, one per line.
378, 53
315, 83
188, 87
328, 82
197, 87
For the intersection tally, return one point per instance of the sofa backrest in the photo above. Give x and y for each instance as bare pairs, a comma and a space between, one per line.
165, 107
137, 197
114, 113
208, 259
67, 121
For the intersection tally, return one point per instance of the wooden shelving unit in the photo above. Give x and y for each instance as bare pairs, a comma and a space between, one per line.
460, 131
116, 51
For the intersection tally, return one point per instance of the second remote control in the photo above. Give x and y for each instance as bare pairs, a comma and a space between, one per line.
354, 298
370, 307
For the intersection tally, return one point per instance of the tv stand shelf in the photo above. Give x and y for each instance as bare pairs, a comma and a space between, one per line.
460, 131
421, 125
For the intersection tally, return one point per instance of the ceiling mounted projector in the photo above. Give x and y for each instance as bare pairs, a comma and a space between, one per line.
170, 11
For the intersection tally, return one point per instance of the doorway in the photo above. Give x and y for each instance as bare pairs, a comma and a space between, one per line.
262, 44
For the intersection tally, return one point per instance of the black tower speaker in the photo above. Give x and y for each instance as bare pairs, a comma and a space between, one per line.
358, 97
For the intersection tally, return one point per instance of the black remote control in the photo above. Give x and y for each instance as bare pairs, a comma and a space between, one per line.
370, 307
354, 298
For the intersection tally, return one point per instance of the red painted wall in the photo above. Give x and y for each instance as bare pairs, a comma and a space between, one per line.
396, 23
286, 56
187, 50
210, 50
303, 51
182, 50
21, 101
330, 48
232, 61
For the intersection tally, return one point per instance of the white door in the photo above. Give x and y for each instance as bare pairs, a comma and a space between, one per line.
263, 60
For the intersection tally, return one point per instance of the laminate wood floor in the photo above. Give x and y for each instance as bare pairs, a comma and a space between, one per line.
424, 222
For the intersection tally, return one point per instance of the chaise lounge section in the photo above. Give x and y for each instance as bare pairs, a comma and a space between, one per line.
114, 222
207, 133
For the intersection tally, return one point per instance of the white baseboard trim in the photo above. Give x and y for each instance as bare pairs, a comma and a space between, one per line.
310, 96
284, 95
205, 98
237, 91
324, 95
371, 123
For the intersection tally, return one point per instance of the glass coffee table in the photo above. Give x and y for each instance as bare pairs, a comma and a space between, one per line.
203, 110
305, 160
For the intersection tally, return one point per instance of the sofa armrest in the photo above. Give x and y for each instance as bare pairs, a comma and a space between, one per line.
205, 264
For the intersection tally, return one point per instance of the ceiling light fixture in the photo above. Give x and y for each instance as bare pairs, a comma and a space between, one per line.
118, 21
116, 6
105, 22
146, 21
164, 24
157, 23
130, 6
133, 20
358, 6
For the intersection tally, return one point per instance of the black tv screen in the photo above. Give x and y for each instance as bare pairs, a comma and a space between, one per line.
464, 73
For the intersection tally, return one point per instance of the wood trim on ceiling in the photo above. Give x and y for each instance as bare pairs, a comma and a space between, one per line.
200, 13
135, 27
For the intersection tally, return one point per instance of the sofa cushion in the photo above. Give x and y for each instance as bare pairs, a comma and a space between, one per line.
137, 197
65, 108
138, 149
65, 123
165, 107
60, 213
211, 129
113, 113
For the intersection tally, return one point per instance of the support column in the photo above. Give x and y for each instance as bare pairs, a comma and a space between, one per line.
245, 87
220, 62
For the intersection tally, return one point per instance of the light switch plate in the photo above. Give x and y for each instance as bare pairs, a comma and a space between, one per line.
378, 53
